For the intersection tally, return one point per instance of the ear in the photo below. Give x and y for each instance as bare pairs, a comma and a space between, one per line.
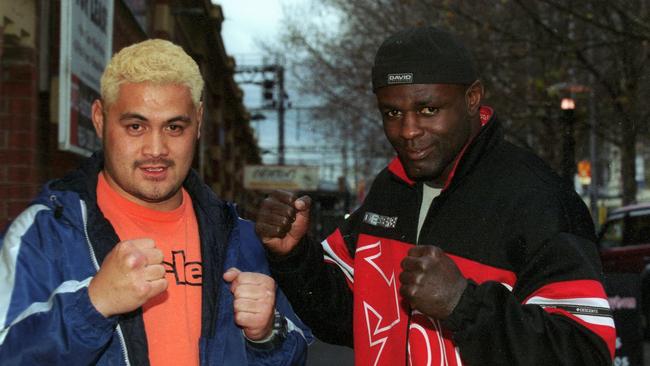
199, 116
97, 115
473, 97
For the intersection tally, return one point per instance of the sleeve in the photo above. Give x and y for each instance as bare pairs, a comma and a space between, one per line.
556, 314
44, 319
317, 279
293, 349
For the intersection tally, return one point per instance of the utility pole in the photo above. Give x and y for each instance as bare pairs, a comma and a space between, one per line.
593, 144
272, 82
594, 159
568, 140
279, 71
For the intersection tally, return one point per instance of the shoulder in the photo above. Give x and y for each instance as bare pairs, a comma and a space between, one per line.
252, 254
247, 232
51, 211
249, 241
516, 171
24, 224
215, 213
512, 175
535, 191
388, 185
48, 235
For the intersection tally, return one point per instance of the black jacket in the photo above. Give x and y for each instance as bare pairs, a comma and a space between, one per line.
525, 241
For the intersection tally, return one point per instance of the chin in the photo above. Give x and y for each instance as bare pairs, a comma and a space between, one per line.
155, 194
416, 174
421, 174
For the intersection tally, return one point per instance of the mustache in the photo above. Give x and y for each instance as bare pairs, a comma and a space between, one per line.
157, 162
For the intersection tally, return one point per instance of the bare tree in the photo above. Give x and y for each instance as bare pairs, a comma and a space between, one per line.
524, 49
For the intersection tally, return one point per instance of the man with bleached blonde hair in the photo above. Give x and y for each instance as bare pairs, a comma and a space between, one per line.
137, 64
132, 259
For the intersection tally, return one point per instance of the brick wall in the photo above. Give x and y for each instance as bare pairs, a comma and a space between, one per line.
29, 153
19, 176
52, 162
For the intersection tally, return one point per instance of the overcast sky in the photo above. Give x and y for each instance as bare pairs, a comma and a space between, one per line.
247, 22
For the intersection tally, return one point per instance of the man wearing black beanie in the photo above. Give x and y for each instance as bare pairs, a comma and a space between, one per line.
466, 251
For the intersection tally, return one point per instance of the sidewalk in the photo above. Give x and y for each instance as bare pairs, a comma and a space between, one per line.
323, 354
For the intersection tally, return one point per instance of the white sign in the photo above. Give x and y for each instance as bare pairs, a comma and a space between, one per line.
292, 178
86, 47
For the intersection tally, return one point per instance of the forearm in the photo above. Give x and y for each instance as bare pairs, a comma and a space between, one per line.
318, 292
66, 330
491, 327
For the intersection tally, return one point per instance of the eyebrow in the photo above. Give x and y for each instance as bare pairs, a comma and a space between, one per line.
181, 118
385, 106
425, 101
130, 115
125, 116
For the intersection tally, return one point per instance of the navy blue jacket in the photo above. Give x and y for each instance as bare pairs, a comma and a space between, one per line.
53, 249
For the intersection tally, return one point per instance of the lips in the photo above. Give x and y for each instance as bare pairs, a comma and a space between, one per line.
154, 172
154, 169
417, 154
153, 165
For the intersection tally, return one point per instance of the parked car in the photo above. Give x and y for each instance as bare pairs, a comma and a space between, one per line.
624, 240
624, 244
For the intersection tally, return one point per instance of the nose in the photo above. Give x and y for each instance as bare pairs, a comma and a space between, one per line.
410, 127
156, 144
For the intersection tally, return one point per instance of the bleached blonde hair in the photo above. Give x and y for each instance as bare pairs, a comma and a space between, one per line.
155, 60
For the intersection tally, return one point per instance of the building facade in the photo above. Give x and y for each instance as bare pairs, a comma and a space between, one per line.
29, 75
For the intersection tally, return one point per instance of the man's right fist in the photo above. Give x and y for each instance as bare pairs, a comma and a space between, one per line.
282, 220
131, 274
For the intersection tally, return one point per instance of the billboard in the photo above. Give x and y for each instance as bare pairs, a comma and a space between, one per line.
86, 47
286, 177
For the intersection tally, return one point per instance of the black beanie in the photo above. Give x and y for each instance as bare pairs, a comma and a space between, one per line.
424, 55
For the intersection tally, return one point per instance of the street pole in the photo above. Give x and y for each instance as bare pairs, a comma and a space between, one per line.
271, 88
281, 110
568, 141
593, 157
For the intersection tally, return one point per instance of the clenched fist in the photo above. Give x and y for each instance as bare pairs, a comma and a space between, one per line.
282, 220
431, 282
131, 274
254, 302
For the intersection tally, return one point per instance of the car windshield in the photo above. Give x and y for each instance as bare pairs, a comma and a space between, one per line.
628, 230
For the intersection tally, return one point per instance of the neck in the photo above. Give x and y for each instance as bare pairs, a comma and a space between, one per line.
167, 203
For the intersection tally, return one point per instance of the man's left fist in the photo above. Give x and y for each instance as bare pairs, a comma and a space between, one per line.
430, 281
254, 303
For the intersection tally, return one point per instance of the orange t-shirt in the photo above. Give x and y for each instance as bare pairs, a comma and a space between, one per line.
172, 319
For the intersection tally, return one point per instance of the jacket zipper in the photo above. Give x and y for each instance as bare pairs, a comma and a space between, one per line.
410, 311
93, 258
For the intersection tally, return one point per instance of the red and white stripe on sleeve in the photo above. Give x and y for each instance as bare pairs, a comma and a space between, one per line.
336, 252
583, 301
